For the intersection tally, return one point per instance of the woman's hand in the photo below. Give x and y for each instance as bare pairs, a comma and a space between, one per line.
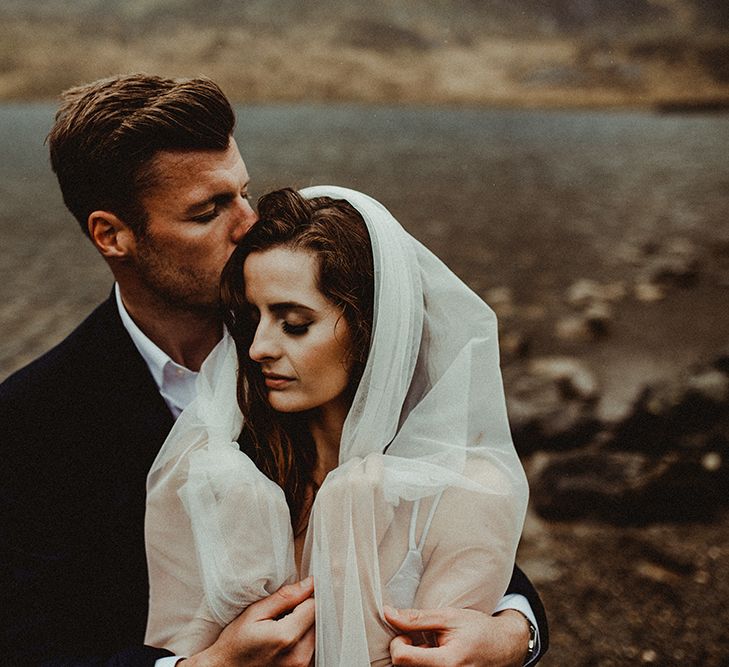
464, 637
277, 631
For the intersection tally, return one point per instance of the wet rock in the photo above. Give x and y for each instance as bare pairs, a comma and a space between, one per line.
513, 345
551, 404
690, 411
670, 270
710, 385
499, 295
593, 300
572, 377
712, 461
501, 300
648, 292
574, 329
721, 362
598, 317
720, 262
667, 460
628, 488
586, 292
675, 263
588, 326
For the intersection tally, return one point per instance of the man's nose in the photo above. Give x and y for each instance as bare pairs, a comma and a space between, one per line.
245, 218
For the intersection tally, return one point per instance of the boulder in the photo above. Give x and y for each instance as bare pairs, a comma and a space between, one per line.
648, 292
501, 299
585, 292
630, 488
551, 403
513, 345
686, 411
598, 317
574, 329
574, 378
676, 262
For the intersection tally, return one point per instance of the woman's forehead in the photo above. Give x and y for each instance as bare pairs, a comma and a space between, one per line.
283, 275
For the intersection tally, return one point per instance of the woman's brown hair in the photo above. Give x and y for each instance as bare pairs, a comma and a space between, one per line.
280, 443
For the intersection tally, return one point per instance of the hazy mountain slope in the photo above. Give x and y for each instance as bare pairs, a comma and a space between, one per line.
554, 52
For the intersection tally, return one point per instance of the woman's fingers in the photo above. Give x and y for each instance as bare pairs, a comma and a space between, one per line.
282, 601
300, 621
303, 652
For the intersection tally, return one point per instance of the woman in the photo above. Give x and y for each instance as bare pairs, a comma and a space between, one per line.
372, 403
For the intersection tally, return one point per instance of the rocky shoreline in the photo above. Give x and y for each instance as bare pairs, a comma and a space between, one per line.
663, 456
627, 536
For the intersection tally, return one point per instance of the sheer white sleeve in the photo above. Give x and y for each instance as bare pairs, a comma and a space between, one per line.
217, 532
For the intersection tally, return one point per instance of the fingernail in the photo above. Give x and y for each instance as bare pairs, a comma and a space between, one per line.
390, 611
306, 583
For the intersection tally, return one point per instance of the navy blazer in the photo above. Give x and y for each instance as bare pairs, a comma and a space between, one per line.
80, 428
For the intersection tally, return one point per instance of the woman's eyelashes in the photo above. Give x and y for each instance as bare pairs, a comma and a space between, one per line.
295, 329
292, 328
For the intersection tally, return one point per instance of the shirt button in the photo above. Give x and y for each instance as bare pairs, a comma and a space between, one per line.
179, 372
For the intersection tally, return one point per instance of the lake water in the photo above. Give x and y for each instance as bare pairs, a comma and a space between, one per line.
527, 199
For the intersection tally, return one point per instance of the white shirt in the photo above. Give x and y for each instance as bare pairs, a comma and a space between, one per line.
176, 384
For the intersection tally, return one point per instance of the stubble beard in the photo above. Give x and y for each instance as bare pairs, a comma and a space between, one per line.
178, 287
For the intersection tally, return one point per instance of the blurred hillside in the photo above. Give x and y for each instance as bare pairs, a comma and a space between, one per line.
555, 53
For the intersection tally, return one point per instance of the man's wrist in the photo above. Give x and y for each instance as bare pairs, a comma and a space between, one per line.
532, 644
519, 603
522, 632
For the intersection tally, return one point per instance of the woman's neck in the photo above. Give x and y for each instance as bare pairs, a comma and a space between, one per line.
325, 426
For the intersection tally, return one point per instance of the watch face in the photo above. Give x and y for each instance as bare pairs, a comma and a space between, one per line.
532, 639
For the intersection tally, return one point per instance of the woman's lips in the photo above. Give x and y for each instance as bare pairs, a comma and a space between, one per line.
274, 381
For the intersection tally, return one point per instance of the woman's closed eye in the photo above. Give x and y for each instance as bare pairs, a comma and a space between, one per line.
295, 329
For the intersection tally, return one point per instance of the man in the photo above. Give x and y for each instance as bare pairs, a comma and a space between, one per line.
149, 168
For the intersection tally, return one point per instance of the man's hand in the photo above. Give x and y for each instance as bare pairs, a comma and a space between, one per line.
463, 637
257, 639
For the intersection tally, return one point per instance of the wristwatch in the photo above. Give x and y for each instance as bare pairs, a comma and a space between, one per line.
532, 645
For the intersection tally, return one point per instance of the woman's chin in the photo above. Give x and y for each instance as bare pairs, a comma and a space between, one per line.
282, 404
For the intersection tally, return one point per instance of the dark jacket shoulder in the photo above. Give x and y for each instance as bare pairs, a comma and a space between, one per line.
80, 428
82, 360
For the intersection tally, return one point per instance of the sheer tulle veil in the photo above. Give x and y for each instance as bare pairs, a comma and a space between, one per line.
425, 508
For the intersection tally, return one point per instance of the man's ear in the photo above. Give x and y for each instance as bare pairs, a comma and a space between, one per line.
111, 235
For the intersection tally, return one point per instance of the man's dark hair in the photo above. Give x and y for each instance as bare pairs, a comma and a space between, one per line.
106, 134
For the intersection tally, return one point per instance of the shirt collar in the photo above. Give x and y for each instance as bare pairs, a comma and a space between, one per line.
153, 356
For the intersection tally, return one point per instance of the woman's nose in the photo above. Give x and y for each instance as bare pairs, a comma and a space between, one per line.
263, 346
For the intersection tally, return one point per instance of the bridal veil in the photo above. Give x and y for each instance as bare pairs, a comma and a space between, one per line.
425, 508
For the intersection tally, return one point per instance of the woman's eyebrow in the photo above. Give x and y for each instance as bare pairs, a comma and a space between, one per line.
286, 306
